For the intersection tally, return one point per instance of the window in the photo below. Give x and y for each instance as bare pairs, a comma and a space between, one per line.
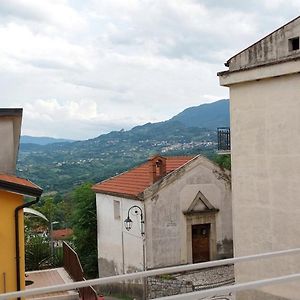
117, 215
294, 44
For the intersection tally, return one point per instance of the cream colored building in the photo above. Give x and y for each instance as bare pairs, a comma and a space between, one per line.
264, 82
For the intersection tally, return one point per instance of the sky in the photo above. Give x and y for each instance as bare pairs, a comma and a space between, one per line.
81, 68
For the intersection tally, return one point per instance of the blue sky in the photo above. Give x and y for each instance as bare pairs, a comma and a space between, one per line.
81, 68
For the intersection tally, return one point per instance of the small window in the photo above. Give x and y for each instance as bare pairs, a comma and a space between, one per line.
294, 44
117, 215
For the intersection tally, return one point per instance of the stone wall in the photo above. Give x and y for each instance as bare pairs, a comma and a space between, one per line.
133, 289
185, 282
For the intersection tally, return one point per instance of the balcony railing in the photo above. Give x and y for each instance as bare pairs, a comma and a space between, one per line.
223, 139
191, 295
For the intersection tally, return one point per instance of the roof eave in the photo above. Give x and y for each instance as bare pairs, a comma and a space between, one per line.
20, 189
11, 112
121, 195
270, 63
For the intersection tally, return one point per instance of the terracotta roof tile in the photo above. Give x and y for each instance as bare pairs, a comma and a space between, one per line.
61, 234
135, 181
19, 185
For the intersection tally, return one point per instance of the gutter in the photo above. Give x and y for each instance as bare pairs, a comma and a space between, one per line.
18, 239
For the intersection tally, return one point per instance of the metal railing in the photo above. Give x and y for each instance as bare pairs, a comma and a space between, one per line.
223, 138
73, 266
182, 268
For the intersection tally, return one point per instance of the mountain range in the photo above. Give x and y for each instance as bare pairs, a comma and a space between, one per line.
58, 166
208, 116
42, 140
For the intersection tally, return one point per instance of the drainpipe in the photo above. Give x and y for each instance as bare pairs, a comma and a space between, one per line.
18, 241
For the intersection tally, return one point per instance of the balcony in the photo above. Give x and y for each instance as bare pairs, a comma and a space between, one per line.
70, 273
223, 140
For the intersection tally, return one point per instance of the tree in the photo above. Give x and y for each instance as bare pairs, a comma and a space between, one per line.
37, 254
84, 219
37, 248
224, 161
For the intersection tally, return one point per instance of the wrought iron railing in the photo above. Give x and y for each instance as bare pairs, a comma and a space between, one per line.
223, 139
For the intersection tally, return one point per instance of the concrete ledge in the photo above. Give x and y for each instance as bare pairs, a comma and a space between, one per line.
263, 72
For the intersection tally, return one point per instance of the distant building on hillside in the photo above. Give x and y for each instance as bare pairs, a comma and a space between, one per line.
264, 82
60, 235
186, 207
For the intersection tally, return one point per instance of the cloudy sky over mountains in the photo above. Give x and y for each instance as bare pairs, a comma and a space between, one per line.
80, 68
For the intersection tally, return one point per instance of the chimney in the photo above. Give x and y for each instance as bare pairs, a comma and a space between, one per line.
10, 130
157, 168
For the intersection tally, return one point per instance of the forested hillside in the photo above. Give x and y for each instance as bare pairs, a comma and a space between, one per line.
58, 167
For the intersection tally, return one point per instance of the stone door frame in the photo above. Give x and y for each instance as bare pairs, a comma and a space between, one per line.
198, 219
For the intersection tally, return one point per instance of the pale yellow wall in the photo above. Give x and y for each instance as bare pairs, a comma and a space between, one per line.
265, 136
8, 203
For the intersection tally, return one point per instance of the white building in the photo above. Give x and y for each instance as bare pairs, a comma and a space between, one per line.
264, 82
186, 205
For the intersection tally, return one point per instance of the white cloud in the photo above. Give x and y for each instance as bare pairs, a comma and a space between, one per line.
52, 12
82, 118
92, 66
21, 47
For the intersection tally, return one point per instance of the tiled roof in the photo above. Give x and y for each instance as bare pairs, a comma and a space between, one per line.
135, 181
19, 185
61, 234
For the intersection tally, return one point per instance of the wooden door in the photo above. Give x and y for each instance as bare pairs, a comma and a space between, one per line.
200, 242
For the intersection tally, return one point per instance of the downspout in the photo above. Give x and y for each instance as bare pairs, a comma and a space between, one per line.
18, 241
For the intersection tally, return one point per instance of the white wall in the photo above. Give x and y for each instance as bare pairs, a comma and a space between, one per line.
265, 126
265, 145
119, 250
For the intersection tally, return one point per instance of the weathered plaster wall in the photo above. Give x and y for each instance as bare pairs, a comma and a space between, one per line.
119, 251
273, 48
265, 138
167, 228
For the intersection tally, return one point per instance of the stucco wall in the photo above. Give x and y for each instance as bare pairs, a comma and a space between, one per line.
167, 230
265, 140
119, 251
8, 203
